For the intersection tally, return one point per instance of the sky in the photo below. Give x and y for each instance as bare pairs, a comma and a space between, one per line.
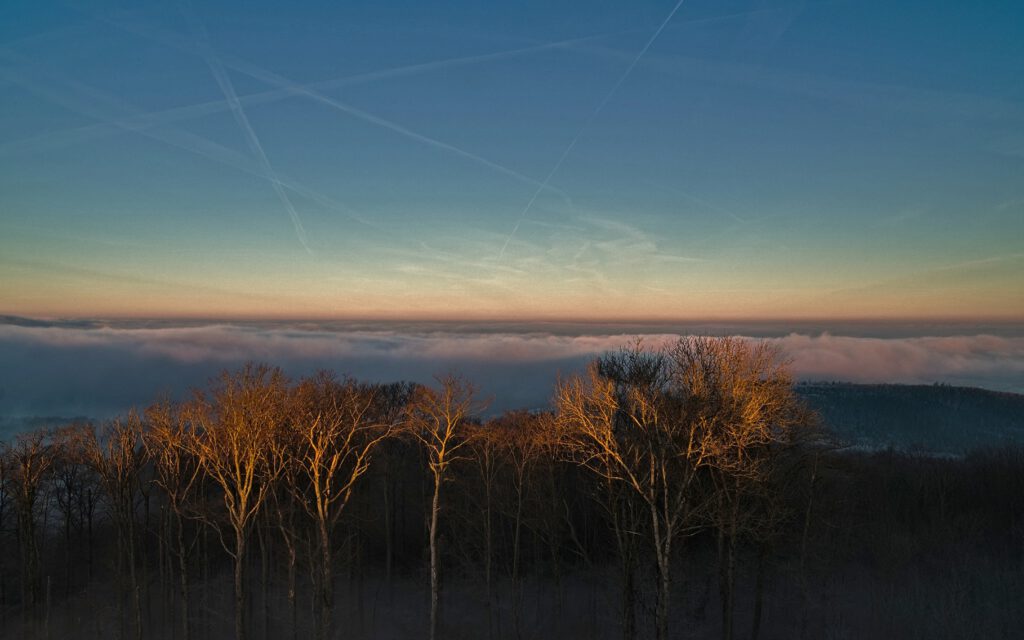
583, 160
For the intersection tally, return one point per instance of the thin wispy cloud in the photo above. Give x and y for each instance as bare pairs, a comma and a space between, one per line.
760, 163
627, 243
586, 125
856, 93
314, 92
78, 135
716, 208
255, 146
98, 105
977, 265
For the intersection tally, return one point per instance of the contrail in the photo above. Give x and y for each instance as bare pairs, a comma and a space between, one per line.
274, 79
254, 145
689, 196
231, 96
97, 106
286, 87
586, 124
175, 114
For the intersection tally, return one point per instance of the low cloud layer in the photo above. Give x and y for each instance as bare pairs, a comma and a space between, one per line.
101, 370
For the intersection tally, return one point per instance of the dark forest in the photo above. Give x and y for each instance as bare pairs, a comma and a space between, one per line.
684, 492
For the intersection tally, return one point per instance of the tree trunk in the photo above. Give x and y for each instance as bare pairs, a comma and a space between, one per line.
90, 509
136, 593
241, 633
804, 591
292, 596
48, 601
30, 558
142, 586
488, 552
264, 581
119, 581
759, 592
628, 599
664, 593
326, 583
132, 574
68, 555
662, 549
516, 544
389, 530
183, 577
727, 574
435, 577
622, 524
162, 554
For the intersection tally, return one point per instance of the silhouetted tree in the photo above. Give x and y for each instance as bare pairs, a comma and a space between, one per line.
437, 418
29, 461
177, 470
116, 455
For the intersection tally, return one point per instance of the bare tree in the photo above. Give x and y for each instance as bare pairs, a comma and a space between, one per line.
28, 461
283, 499
487, 462
520, 435
231, 434
71, 479
116, 455
392, 400
626, 426
437, 418
166, 442
336, 432
743, 392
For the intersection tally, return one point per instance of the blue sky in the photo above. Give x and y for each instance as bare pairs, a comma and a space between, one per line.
512, 160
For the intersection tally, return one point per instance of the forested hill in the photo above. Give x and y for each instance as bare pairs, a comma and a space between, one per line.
932, 418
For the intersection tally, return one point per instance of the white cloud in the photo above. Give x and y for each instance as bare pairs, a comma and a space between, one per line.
102, 370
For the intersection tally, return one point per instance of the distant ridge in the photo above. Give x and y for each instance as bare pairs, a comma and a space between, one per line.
20, 321
935, 418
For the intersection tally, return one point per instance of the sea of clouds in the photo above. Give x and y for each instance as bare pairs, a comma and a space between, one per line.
101, 369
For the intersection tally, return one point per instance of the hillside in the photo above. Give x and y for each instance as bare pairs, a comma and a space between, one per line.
932, 418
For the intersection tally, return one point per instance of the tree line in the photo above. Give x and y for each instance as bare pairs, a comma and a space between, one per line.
652, 466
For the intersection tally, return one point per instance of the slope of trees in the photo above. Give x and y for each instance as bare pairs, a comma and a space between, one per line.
664, 485
935, 418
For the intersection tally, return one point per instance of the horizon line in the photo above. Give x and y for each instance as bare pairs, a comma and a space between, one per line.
483, 319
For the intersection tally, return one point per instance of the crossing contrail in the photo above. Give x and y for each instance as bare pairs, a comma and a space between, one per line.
285, 87
255, 146
99, 106
197, 110
586, 124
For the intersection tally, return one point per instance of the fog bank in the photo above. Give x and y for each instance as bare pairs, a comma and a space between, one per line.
53, 369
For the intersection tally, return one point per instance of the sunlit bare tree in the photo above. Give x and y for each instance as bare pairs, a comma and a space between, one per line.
336, 431
232, 431
437, 418
626, 426
743, 391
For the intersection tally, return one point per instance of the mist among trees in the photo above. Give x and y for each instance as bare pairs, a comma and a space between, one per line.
686, 491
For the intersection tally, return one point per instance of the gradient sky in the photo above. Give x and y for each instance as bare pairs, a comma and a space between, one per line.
514, 159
